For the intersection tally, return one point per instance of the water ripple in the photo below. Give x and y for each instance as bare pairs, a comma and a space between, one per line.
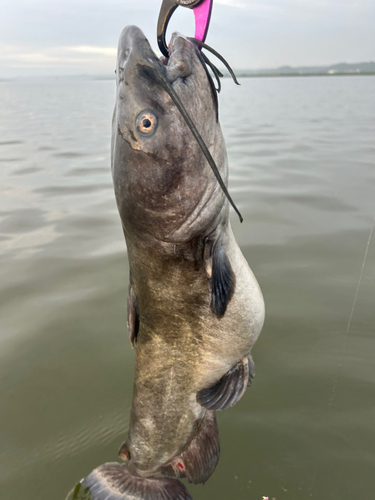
72, 190
301, 156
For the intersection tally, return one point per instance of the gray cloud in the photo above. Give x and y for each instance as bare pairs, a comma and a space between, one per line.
69, 36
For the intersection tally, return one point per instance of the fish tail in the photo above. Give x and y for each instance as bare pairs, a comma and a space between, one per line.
114, 481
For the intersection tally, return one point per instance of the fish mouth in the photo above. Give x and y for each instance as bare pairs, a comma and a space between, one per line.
134, 49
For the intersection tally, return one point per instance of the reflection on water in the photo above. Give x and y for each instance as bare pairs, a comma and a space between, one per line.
302, 173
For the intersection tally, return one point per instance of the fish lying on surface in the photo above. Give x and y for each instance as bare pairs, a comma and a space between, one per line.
194, 309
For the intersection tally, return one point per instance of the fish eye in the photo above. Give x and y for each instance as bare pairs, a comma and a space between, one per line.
146, 123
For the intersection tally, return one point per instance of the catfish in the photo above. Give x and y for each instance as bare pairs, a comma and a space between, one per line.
195, 308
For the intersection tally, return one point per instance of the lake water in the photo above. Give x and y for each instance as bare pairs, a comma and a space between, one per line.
302, 171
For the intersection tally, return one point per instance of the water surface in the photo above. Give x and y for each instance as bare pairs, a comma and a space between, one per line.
301, 154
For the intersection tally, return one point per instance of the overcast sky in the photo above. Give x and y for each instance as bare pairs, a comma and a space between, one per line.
43, 37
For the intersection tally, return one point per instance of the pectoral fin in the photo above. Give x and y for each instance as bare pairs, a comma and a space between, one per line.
221, 277
230, 388
133, 316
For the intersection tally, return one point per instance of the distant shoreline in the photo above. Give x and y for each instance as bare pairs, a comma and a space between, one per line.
339, 69
238, 75
269, 75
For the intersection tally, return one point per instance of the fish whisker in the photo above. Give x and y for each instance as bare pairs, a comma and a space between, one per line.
214, 70
216, 54
214, 90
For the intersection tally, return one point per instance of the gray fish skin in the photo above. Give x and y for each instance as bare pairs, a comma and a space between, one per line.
174, 215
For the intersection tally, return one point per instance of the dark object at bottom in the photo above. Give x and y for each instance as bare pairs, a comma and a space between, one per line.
113, 481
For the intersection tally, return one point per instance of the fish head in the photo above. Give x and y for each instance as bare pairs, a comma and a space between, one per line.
163, 183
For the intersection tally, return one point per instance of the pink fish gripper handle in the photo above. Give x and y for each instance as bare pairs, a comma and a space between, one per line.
202, 13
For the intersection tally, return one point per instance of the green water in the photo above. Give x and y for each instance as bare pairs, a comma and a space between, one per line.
302, 173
